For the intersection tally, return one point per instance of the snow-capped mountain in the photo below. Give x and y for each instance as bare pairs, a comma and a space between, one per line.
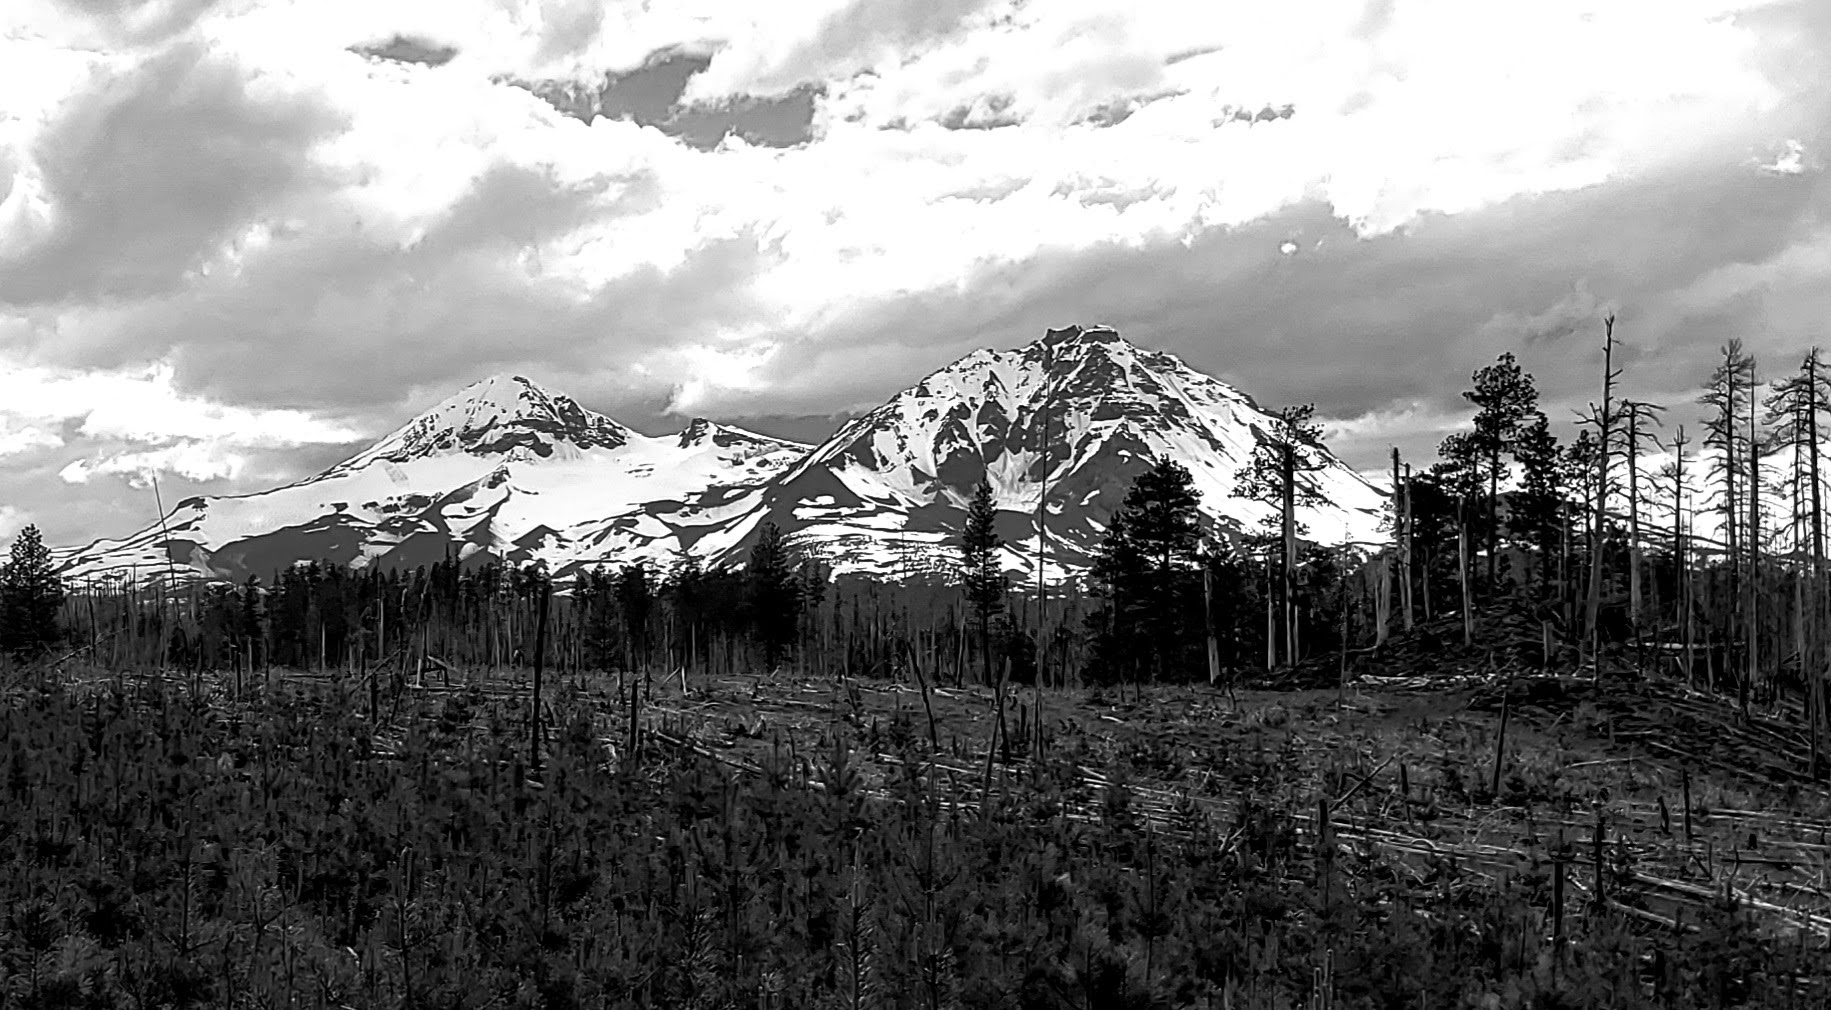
1082, 405
502, 469
508, 470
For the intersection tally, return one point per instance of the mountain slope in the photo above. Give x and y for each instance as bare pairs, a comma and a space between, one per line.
504, 469
501, 469
1084, 406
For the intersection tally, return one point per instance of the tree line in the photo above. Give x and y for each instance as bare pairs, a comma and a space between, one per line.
1163, 585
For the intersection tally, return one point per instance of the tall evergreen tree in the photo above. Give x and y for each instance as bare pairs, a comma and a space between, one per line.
980, 575
1579, 472
30, 594
635, 593
1148, 570
251, 619
1507, 399
1162, 517
1236, 603
1289, 448
1463, 472
814, 576
595, 596
1538, 509
773, 593
1436, 496
684, 589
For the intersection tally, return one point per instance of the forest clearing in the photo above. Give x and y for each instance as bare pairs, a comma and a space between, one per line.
1345, 846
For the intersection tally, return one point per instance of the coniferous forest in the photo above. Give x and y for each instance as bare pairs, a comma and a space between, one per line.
1559, 742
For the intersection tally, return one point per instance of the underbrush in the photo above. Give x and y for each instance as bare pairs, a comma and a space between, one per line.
158, 851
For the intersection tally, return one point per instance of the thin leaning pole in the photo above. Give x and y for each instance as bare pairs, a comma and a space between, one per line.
1042, 527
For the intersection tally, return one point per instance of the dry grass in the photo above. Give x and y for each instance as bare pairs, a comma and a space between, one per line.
1405, 772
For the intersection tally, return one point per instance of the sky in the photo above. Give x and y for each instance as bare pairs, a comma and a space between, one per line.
240, 239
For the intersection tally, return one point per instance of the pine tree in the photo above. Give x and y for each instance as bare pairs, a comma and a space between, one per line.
635, 600
1579, 474
1148, 570
1537, 511
250, 619
1461, 474
596, 600
1506, 398
1237, 605
1162, 518
1292, 447
684, 589
1119, 572
30, 595
812, 578
773, 593
980, 574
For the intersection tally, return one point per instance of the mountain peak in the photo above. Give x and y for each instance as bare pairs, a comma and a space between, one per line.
1075, 415
699, 430
702, 431
1073, 349
503, 390
496, 415
1099, 333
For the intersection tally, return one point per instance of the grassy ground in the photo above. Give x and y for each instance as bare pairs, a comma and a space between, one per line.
1368, 817
1405, 771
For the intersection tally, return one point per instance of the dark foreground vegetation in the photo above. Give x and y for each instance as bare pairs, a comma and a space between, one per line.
165, 849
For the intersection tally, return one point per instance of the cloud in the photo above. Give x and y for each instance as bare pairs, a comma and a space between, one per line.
824, 42
18, 441
117, 23
1415, 418
651, 95
1383, 333
144, 406
405, 49
12, 520
1791, 161
136, 424
147, 172
347, 209
194, 460
1580, 312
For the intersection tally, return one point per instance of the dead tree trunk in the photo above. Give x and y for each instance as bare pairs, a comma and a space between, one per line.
1604, 422
1288, 461
1405, 563
1754, 545
1462, 569
1633, 461
1682, 564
